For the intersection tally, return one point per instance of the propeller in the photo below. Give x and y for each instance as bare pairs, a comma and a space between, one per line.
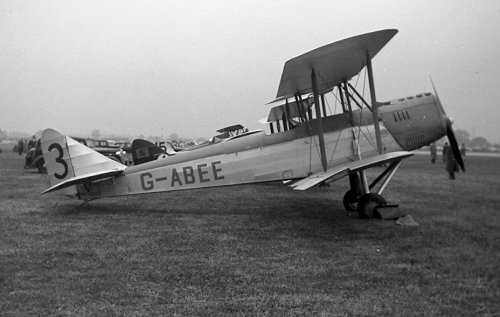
454, 145
449, 133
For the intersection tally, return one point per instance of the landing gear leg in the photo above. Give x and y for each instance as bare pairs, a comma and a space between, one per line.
352, 195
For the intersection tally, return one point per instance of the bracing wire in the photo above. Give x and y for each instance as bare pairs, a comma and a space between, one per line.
367, 135
335, 148
310, 154
360, 131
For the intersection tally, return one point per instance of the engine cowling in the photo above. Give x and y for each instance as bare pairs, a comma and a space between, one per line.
414, 121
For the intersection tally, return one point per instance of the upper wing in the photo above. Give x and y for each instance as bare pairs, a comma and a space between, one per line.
231, 128
344, 169
293, 108
333, 63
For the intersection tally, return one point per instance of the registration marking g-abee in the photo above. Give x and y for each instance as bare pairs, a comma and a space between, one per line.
182, 176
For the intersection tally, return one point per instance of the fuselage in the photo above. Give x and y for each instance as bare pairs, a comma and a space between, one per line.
406, 124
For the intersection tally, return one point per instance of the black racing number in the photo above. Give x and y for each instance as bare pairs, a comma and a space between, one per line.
59, 160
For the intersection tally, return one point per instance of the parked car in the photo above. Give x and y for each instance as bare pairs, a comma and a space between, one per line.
34, 158
101, 146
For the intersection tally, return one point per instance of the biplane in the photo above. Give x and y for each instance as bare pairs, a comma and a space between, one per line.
306, 145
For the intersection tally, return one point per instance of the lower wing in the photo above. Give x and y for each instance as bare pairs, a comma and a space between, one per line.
344, 169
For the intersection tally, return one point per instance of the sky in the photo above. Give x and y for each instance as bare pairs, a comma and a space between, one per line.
192, 67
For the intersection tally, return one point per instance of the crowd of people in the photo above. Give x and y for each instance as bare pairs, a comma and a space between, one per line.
28, 147
23, 145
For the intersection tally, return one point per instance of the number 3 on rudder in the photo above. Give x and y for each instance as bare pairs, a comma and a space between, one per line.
59, 160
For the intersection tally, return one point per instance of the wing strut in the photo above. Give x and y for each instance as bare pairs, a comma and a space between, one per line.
320, 121
348, 102
323, 104
376, 121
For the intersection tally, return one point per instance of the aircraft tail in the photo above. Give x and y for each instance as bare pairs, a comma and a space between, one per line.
69, 162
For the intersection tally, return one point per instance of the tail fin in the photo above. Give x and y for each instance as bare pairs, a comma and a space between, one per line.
70, 162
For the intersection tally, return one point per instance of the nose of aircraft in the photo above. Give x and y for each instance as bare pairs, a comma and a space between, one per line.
449, 132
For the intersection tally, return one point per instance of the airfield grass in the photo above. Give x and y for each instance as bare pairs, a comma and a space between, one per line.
253, 250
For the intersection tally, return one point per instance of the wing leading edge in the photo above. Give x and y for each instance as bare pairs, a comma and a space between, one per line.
345, 169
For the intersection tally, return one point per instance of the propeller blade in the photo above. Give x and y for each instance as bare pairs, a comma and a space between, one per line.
454, 145
449, 131
437, 98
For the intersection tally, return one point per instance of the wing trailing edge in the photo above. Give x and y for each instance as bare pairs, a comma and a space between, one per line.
345, 169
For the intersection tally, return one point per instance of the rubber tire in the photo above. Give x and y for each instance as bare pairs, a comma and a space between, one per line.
350, 200
367, 204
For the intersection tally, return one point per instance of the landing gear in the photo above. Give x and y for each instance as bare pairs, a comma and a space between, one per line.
360, 197
351, 197
350, 200
368, 203
365, 205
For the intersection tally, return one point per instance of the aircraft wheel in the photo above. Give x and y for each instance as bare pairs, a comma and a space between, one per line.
350, 200
367, 204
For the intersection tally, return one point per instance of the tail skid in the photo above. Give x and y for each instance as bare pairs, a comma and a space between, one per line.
70, 162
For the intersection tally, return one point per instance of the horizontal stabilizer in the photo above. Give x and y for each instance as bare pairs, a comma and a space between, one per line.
345, 169
83, 179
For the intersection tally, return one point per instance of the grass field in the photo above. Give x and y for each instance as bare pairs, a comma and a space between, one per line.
253, 250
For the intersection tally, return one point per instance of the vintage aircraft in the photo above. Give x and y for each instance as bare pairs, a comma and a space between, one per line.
306, 146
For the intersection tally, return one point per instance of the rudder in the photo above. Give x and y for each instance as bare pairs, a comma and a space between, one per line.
56, 155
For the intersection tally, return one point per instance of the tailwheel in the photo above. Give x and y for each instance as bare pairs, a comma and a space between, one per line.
368, 203
350, 200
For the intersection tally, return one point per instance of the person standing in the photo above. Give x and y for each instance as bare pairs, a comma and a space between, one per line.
446, 149
451, 164
463, 149
20, 146
433, 152
32, 143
